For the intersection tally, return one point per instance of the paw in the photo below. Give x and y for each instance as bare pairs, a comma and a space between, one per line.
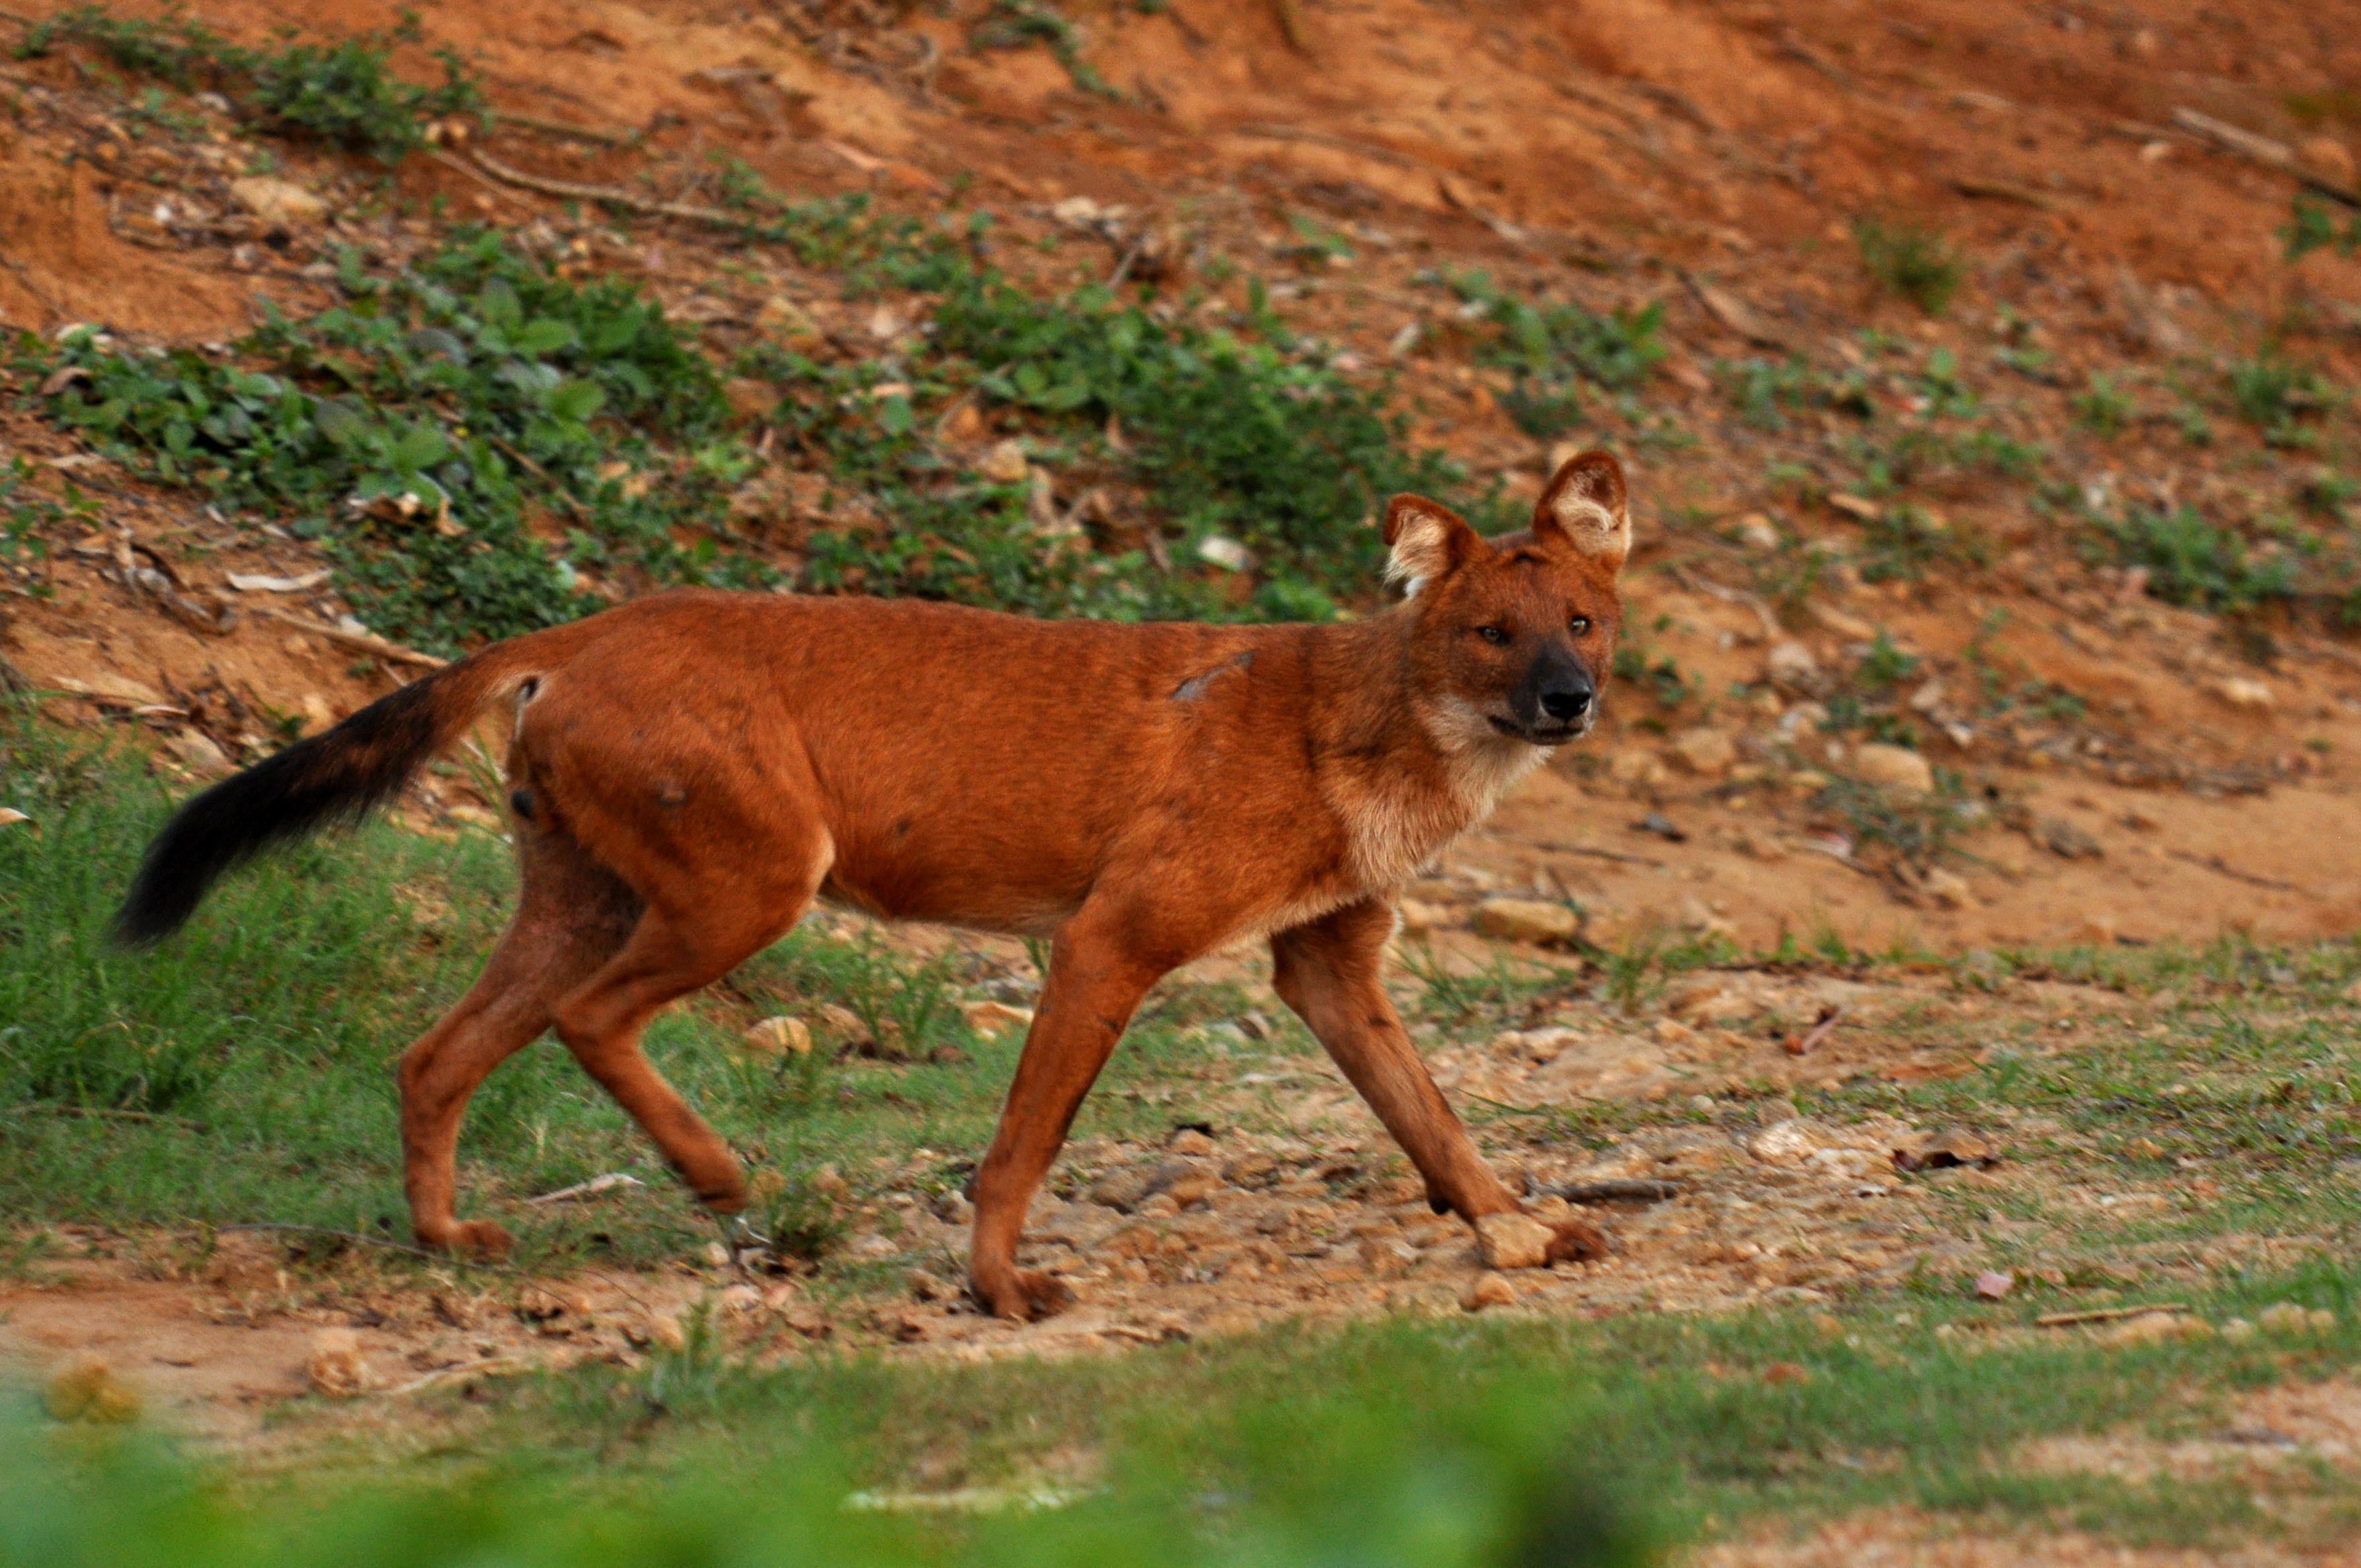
1576, 1241
1023, 1296
468, 1238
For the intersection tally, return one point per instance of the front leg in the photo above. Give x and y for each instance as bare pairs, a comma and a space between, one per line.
1330, 971
1095, 982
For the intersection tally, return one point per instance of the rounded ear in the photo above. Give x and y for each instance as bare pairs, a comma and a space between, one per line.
1428, 538
1585, 505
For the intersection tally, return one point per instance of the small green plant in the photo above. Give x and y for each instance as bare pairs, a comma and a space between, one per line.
2329, 493
800, 1220
2273, 394
2311, 226
1913, 261
1552, 350
1015, 24
1766, 390
1901, 543
343, 93
2191, 562
2102, 408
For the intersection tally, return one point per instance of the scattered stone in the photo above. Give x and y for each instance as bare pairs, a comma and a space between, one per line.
2153, 1328
1947, 1149
336, 1368
779, 1036
1128, 1189
277, 201
1251, 1170
1418, 919
1488, 1290
2292, 1317
196, 751
2062, 839
1636, 769
1227, 553
86, 1389
1790, 1142
2328, 158
1663, 827
1512, 1241
1859, 507
1706, 752
2240, 692
1526, 920
1790, 664
1004, 463
925, 1286
2237, 1331
1995, 1283
1893, 767
1189, 1143
1755, 530
993, 1019
106, 686
1949, 889
1851, 628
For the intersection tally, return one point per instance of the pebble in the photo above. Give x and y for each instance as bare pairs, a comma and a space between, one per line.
336, 1368
779, 1036
1488, 1290
1526, 920
1893, 767
1512, 1241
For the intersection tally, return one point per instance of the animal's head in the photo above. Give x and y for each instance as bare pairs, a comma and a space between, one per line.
1513, 637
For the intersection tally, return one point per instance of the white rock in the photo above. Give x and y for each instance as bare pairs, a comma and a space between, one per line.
1790, 1142
1512, 1241
1526, 920
1004, 463
277, 201
1227, 553
1947, 888
1790, 663
1893, 767
1706, 752
2240, 692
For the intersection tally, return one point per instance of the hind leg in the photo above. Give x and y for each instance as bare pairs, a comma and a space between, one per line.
709, 919
572, 917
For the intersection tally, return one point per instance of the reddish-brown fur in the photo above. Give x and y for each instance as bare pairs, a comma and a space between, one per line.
691, 771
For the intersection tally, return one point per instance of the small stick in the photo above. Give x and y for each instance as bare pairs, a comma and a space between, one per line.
562, 128
464, 1370
367, 642
103, 1111
610, 194
590, 1188
2261, 150
1614, 1189
1817, 1034
2105, 1315
2216, 865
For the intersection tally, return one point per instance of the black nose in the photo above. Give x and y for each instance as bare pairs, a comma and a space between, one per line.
1566, 701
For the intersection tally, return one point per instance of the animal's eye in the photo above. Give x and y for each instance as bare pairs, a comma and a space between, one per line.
1579, 625
1492, 634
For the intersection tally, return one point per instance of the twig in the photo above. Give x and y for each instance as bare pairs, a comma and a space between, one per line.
1816, 1036
590, 1188
2215, 863
1613, 1190
562, 128
466, 1369
1771, 630
2002, 191
100, 1112
2105, 1315
367, 642
1616, 855
611, 195
2260, 150
1123, 267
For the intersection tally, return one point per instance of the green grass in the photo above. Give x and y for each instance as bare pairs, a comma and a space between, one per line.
242, 1071
1913, 262
343, 93
239, 1073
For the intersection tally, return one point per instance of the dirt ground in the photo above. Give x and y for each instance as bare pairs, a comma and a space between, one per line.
1679, 151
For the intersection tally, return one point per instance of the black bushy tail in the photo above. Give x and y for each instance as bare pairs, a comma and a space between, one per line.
336, 776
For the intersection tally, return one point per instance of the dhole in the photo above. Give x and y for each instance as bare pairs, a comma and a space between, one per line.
689, 772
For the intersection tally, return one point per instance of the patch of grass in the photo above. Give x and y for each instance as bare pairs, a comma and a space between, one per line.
1015, 24
2274, 394
1552, 350
1913, 261
242, 1071
1766, 390
2103, 408
2312, 225
343, 93
1903, 543
2191, 561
